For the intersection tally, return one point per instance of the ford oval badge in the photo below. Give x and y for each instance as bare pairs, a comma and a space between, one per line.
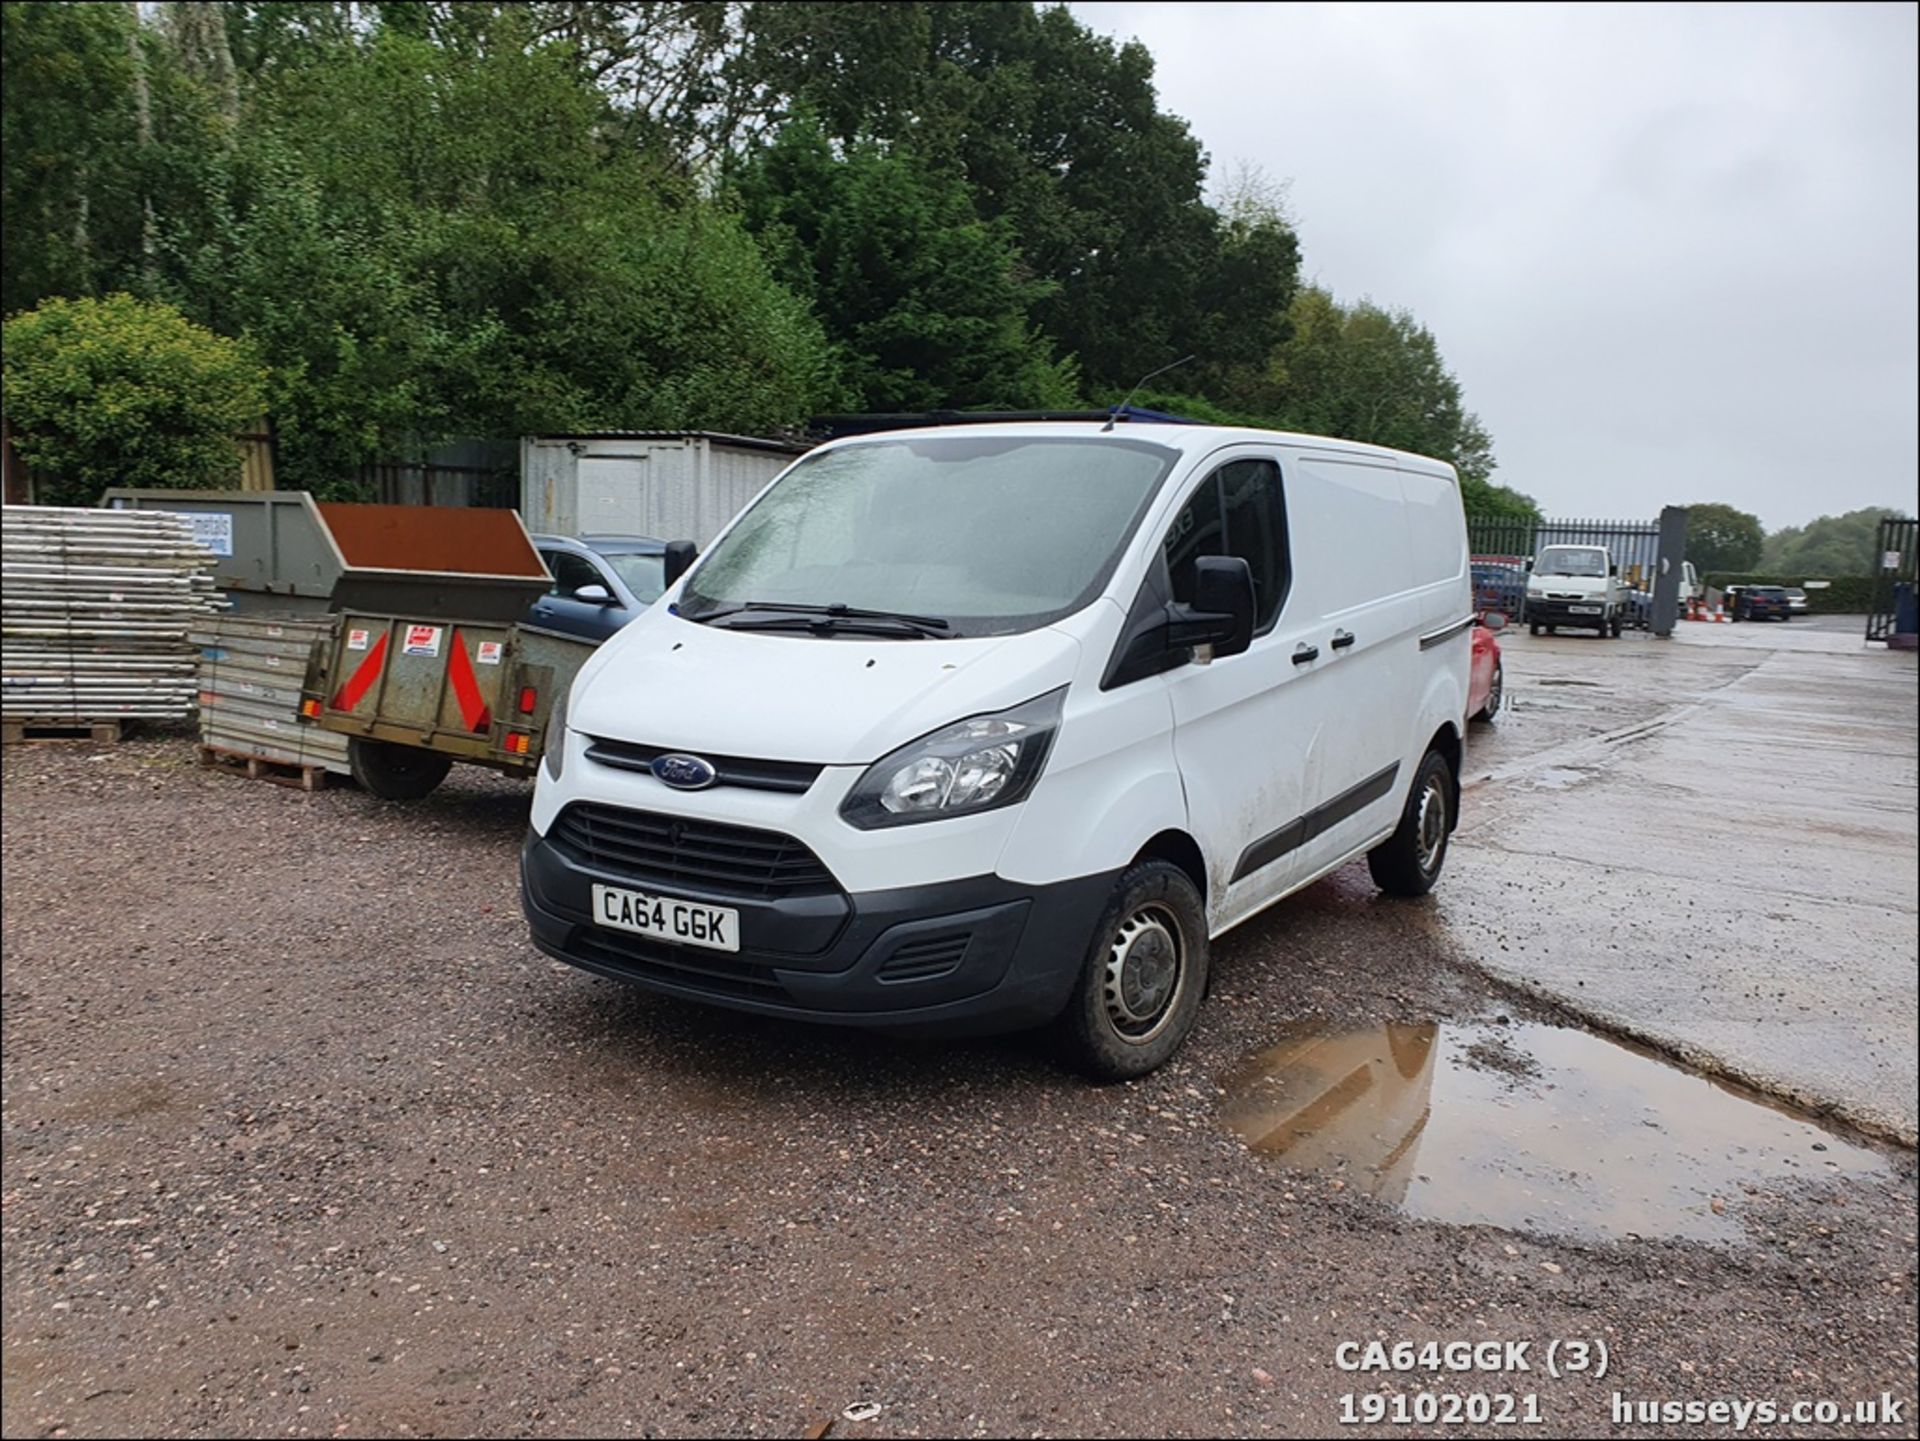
683, 772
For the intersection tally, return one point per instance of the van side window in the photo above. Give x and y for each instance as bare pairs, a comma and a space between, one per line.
1238, 510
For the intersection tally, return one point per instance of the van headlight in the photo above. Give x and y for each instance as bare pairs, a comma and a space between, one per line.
977, 764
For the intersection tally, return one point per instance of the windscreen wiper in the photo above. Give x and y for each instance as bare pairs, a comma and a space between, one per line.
829, 615
898, 628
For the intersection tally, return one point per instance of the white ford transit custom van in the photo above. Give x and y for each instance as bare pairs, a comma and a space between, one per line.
985, 726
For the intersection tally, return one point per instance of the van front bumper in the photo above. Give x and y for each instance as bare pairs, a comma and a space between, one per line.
971, 956
1561, 612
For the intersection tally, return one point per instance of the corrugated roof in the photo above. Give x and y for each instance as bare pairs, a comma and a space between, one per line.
742, 442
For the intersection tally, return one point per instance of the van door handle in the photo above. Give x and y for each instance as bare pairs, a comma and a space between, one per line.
1342, 639
1304, 653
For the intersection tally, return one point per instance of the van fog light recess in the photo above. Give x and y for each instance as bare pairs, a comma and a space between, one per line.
973, 765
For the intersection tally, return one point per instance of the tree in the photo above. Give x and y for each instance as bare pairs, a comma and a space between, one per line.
430, 242
924, 299
438, 219
1365, 373
1832, 545
1483, 500
1720, 538
1057, 132
67, 134
125, 392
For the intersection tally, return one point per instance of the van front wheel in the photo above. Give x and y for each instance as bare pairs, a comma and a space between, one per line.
1408, 862
1144, 978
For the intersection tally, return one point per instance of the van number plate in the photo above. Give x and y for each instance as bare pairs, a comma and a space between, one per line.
685, 923
1584, 609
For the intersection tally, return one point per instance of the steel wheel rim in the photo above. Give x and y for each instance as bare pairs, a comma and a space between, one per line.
1495, 690
1145, 973
1430, 824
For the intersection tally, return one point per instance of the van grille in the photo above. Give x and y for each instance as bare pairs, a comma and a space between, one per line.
712, 971
790, 776
673, 851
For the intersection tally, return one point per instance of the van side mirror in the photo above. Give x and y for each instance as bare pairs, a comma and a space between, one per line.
1614, 569
1221, 614
1529, 567
679, 557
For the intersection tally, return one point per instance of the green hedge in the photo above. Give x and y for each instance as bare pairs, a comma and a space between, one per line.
1842, 595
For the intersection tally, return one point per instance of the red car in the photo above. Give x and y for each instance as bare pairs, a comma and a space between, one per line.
1484, 681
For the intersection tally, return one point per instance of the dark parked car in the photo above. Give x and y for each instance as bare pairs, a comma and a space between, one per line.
1499, 586
1761, 602
600, 582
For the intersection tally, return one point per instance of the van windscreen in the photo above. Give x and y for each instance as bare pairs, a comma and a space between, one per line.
987, 534
1571, 560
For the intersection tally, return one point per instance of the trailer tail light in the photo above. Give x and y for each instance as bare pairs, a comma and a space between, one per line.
309, 707
519, 743
529, 698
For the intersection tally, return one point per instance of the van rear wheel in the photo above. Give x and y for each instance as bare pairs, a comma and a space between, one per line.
395, 772
1408, 862
1144, 978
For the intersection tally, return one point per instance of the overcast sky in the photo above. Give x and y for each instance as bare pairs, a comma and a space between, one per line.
1669, 251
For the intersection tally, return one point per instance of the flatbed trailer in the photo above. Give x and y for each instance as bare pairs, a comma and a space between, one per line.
413, 694
426, 661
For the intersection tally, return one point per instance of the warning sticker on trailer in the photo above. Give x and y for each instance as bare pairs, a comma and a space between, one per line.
488, 652
422, 640
356, 640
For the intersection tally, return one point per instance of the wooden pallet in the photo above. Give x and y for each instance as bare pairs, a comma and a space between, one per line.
105, 732
297, 774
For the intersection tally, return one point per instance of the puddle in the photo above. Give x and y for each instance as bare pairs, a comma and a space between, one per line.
1529, 1127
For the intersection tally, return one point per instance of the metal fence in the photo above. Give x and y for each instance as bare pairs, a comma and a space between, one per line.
1895, 564
422, 483
483, 473
1502, 547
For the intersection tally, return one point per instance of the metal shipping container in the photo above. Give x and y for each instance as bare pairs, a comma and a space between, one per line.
667, 484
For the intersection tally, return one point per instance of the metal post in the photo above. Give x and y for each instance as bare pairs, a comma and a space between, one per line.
1666, 585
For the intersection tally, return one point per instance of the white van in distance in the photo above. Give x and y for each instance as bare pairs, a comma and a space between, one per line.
1576, 586
988, 726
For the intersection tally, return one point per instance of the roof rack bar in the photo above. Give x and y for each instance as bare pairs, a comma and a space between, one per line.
832, 427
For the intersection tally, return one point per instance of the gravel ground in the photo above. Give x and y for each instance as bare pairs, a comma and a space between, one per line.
302, 1137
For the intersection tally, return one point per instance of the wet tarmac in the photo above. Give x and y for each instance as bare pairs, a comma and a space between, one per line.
1531, 1127
1715, 856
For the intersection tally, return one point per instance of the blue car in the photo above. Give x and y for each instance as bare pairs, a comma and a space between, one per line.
1499, 586
600, 582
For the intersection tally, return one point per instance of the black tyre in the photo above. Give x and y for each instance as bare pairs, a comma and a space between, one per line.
1408, 862
1618, 626
1494, 691
1534, 627
393, 772
1144, 979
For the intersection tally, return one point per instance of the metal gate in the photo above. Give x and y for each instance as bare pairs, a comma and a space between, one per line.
1502, 548
1894, 566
